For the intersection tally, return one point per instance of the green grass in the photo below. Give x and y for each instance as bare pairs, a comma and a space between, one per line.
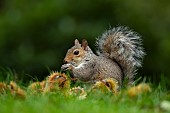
94, 103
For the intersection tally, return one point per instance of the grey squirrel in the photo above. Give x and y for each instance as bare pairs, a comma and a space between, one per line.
119, 54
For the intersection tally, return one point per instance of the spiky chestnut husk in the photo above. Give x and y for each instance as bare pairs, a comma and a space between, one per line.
107, 85
78, 92
3, 87
141, 88
16, 90
36, 87
57, 81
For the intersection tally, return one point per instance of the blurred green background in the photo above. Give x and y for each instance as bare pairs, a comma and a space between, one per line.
35, 34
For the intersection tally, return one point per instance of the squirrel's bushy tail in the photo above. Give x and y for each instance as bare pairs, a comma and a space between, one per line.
124, 46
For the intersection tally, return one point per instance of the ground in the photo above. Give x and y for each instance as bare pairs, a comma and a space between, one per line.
156, 101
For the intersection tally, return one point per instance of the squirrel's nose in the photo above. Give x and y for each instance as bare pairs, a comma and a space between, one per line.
65, 62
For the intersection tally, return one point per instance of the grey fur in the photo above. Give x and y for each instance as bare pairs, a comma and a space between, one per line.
119, 53
96, 68
125, 47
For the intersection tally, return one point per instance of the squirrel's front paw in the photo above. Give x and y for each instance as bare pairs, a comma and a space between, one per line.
66, 67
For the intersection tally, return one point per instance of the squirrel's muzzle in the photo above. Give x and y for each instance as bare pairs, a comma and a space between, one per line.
65, 62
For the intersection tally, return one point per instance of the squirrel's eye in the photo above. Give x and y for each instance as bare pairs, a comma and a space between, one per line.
76, 52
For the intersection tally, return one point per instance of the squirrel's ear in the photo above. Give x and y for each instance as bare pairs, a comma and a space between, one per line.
84, 44
76, 42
